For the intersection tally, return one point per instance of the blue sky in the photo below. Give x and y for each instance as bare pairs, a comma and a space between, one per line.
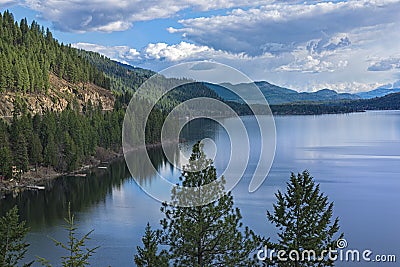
348, 46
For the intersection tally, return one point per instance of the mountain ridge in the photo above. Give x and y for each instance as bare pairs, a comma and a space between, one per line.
275, 94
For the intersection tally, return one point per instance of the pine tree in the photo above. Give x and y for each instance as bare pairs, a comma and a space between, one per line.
303, 216
50, 151
21, 153
5, 154
78, 254
70, 153
12, 245
207, 235
148, 256
36, 151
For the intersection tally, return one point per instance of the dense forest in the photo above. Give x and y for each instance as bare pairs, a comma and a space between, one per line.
122, 77
59, 140
65, 140
29, 52
388, 102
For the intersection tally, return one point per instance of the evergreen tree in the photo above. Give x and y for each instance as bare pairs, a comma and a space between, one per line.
207, 235
36, 151
50, 151
78, 254
5, 154
21, 153
303, 216
5, 159
148, 256
29, 54
12, 245
70, 153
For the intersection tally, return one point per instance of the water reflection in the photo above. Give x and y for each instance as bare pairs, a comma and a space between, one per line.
354, 157
48, 206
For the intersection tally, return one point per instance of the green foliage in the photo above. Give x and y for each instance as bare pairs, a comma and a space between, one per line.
35, 154
303, 216
65, 140
60, 140
49, 153
70, 152
78, 254
148, 256
21, 153
5, 151
12, 244
207, 235
123, 78
29, 53
388, 102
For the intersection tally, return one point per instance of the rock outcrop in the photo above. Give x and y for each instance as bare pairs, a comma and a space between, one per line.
60, 94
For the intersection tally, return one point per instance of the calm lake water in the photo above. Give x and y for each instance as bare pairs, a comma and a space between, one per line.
355, 158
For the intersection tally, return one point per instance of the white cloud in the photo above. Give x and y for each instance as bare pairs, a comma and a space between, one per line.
157, 52
117, 15
122, 54
313, 65
385, 64
285, 26
114, 26
176, 52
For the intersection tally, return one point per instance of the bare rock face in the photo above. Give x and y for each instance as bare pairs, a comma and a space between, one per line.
58, 97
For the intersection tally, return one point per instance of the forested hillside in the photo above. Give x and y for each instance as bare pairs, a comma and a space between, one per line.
125, 80
28, 53
62, 141
58, 107
122, 77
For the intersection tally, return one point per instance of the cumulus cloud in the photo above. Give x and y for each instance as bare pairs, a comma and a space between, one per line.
385, 64
122, 54
117, 15
336, 42
313, 64
322, 55
157, 52
176, 52
281, 27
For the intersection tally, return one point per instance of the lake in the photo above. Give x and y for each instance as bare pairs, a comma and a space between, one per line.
355, 157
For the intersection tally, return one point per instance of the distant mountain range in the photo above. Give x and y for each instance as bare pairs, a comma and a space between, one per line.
379, 92
277, 95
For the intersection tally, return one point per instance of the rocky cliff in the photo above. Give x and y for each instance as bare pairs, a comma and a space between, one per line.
57, 98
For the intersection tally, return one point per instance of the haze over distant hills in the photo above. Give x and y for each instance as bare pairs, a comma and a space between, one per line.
381, 91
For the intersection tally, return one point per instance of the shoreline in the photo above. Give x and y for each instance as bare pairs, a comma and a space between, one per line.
36, 179
32, 178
